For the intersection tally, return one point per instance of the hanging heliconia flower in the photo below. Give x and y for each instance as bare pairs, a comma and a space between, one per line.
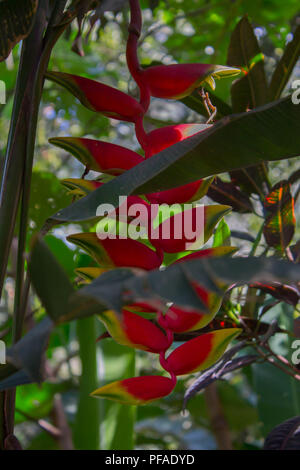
99, 97
179, 80
153, 334
98, 155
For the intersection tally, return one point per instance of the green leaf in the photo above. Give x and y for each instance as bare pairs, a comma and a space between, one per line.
62, 252
222, 235
18, 378
35, 400
54, 288
174, 283
278, 393
285, 66
279, 227
28, 353
268, 133
249, 91
16, 18
49, 280
47, 195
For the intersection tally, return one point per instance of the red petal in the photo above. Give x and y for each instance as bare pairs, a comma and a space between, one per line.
143, 332
208, 253
132, 253
179, 80
175, 81
99, 97
149, 387
98, 155
171, 235
161, 138
188, 229
182, 194
201, 352
180, 321
118, 252
136, 208
137, 390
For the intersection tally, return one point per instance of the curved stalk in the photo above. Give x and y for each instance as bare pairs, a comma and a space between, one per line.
135, 69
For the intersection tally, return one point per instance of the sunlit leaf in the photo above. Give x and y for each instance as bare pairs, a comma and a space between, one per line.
280, 220
249, 91
285, 66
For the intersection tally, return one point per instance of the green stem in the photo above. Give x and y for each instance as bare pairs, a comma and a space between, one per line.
12, 179
87, 425
257, 240
123, 438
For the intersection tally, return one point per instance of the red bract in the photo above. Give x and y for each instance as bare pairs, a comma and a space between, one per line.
137, 390
99, 97
135, 331
201, 352
98, 155
181, 321
110, 253
208, 253
179, 80
182, 231
182, 194
159, 139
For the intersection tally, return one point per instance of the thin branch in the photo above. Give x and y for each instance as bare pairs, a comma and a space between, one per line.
218, 421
